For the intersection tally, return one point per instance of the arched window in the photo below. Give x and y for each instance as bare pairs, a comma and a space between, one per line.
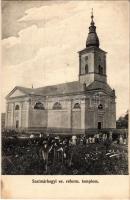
57, 106
86, 69
76, 106
17, 107
100, 69
39, 106
100, 106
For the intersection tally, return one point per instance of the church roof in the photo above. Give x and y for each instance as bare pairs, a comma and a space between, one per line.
64, 88
74, 87
25, 90
52, 90
98, 85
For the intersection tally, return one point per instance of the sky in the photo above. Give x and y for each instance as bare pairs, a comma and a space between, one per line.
41, 40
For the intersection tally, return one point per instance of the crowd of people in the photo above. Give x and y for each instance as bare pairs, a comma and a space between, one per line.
61, 148
54, 149
99, 138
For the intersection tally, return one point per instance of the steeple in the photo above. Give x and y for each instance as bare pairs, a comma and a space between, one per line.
92, 22
92, 39
92, 59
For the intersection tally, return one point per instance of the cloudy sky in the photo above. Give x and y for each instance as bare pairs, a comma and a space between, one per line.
41, 40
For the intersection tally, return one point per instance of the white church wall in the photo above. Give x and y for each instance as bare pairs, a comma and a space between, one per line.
87, 79
59, 118
37, 118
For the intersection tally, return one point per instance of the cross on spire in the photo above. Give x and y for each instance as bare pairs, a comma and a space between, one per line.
92, 22
92, 14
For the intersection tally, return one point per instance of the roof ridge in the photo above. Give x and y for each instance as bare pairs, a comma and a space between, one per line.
57, 84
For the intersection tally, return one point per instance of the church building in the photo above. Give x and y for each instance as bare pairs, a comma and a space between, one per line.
88, 103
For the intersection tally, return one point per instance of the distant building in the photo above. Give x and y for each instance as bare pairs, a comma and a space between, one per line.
81, 105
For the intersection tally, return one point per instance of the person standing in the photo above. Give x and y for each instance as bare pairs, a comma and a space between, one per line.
74, 140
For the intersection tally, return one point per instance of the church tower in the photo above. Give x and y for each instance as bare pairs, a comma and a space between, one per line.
92, 59
100, 105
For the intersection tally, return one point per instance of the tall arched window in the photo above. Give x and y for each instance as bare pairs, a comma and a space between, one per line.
17, 107
17, 112
86, 69
57, 106
76, 106
39, 106
100, 69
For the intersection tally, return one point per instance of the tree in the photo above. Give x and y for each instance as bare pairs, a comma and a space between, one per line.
122, 122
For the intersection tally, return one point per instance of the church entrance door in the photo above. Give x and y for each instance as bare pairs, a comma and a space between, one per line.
17, 124
99, 125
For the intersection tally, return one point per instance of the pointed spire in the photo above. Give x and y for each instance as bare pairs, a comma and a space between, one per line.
92, 28
92, 39
92, 22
